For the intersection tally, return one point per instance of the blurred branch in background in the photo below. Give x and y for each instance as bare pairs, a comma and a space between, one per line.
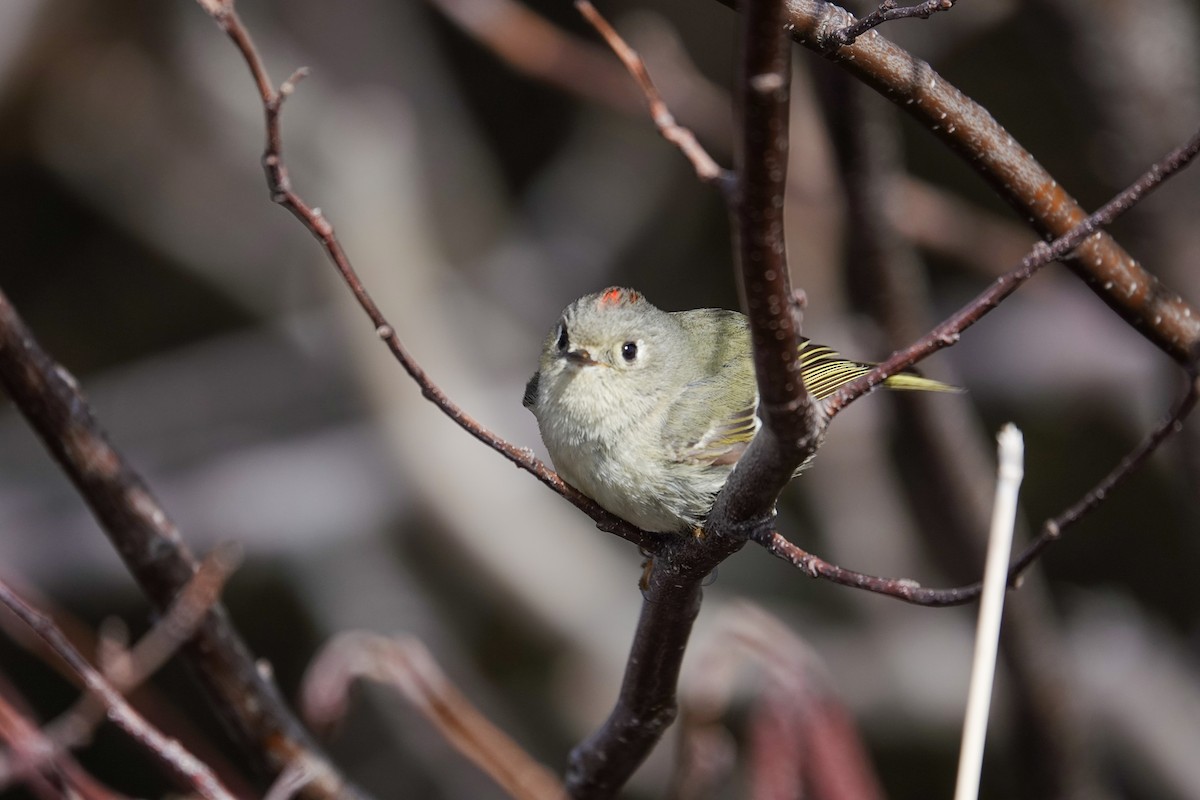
182, 765
407, 666
152, 548
125, 669
476, 205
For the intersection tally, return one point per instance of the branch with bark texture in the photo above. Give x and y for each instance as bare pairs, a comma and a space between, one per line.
887, 12
150, 544
1014, 174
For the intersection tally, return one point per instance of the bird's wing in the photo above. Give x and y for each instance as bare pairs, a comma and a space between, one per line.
715, 416
705, 425
724, 441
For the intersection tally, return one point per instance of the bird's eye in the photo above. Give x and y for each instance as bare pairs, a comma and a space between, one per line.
563, 339
629, 351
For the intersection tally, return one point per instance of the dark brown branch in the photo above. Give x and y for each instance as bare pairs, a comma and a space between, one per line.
177, 761
1087, 231
792, 422
280, 187
148, 541
887, 12
1113, 274
647, 705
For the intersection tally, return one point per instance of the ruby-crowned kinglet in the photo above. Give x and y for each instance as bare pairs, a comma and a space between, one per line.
646, 412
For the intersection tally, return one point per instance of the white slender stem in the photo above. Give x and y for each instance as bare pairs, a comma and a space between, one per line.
995, 578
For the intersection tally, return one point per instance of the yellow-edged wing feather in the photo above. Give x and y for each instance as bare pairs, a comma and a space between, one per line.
723, 440
825, 371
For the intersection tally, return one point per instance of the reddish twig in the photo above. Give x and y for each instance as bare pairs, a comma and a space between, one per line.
169, 753
887, 12
707, 169
900, 588
280, 187
33, 758
1052, 530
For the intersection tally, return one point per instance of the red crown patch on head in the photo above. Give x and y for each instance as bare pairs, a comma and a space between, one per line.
615, 296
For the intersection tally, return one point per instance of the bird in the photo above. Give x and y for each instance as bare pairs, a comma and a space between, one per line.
647, 411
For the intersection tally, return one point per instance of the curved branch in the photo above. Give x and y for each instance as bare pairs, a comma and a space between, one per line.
1052, 530
280, 187
1113, 274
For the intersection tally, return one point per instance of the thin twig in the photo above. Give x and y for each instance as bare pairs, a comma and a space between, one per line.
1053, 529
912, 592
707, 169
887, 12
177, 760
987, 632
32, 757
279, 184
900, 588
949, 331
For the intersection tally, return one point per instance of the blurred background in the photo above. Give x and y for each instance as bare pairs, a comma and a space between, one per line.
478, 194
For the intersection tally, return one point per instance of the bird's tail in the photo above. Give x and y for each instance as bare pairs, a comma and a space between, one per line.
825, 371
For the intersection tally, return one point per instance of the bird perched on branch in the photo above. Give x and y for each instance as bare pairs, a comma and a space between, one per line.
647, 411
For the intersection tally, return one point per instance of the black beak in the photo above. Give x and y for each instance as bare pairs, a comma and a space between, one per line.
580, 357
